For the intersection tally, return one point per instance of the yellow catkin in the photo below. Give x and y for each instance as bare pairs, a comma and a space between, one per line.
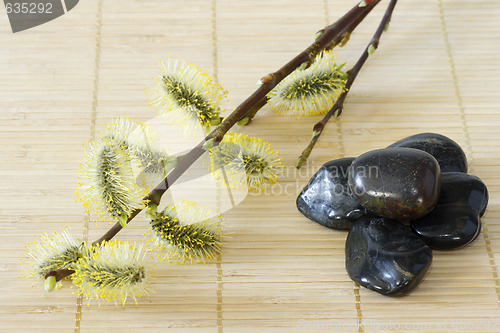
187, 232
186, 96
311, 91
244, 162
58, 250
126, 153
112, 271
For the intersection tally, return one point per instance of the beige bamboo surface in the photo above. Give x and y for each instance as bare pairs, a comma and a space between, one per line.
437, 70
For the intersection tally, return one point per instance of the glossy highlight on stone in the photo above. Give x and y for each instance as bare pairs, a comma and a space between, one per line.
455, 221
397, 183
448, 153
327, 199
383, 255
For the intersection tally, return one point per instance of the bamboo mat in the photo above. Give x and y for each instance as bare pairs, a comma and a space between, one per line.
437, 70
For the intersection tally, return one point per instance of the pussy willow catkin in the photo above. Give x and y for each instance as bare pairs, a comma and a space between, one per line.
188, 231
113, 271
186, 96
58, 250
113, 174
311, 91
242, 161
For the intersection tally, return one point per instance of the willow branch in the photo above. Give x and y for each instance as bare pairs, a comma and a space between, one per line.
330, 36
332, 33
337, 33
336, 109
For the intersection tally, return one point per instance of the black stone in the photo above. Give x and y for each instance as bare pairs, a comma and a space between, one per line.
448, 227
450, 156
398, 183
385, 256
461, 188
327, 199
455, 221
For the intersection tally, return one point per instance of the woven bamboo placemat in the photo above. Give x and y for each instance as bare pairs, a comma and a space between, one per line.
436, 70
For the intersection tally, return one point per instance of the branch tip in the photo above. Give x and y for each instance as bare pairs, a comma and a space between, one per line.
336, 109
49, 283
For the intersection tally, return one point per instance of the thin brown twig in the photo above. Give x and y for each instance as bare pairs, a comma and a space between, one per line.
336, 109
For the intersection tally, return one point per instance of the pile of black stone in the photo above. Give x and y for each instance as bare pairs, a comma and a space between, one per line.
398, 204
